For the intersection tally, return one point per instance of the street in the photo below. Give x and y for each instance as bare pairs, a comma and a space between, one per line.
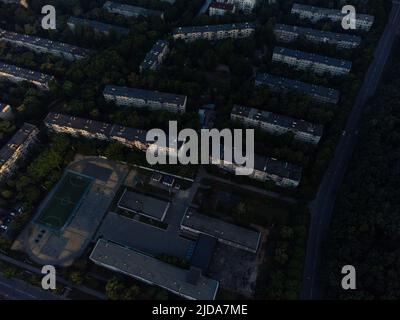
14, 289
322, 206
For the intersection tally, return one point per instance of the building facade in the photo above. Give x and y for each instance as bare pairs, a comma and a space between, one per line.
310, 61
214, 32
41, 45
155, 57
17, 74
317, 93
286, 33
99, 27
91, 129
220, 8
140, 98
16, 148
277, 124
129, 10
363, 21
283, 174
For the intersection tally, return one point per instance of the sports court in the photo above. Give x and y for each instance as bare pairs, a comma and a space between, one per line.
64, 201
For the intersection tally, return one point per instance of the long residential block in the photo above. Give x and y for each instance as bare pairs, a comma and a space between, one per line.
214, 32
287, 33
277, 124
155, 56
100, 27
190, 284
140, 98
220, 8
311, 61
75, 126
129, 10
315, 14
16, 148
317, 93
246, 6
283, 174
18, 74
41, 45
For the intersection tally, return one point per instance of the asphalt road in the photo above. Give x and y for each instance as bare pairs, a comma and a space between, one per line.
14, 289
322, 206
32, 269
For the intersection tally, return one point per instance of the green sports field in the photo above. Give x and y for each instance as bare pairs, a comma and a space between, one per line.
63, 202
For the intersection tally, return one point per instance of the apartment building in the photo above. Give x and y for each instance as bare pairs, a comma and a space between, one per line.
41, 45
155, 56
140, 98
311, 61
283, 174
214, 32
17, 74
287, 33
194, 223
91, 129
277, 124
16, 148
245, 6
130, 11
363, 21
99, 27
220, 8
280, 84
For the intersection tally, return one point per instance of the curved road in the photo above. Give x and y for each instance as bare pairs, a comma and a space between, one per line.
322, 206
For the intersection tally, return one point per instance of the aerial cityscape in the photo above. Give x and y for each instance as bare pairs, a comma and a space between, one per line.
212, 150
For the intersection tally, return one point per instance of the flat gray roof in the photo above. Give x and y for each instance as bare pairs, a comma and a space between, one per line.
111, 131
328, 12
142, 204
276, 119
273, 166
146, 95
221, 230
279, 168
28, 75
215, 28
97, 25
301, 55
148, 269
313, 90
18, 139
129, 10
26, 40
331, 36
153, 54
143, 237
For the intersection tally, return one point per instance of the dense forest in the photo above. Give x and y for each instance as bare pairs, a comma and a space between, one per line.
366, 224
